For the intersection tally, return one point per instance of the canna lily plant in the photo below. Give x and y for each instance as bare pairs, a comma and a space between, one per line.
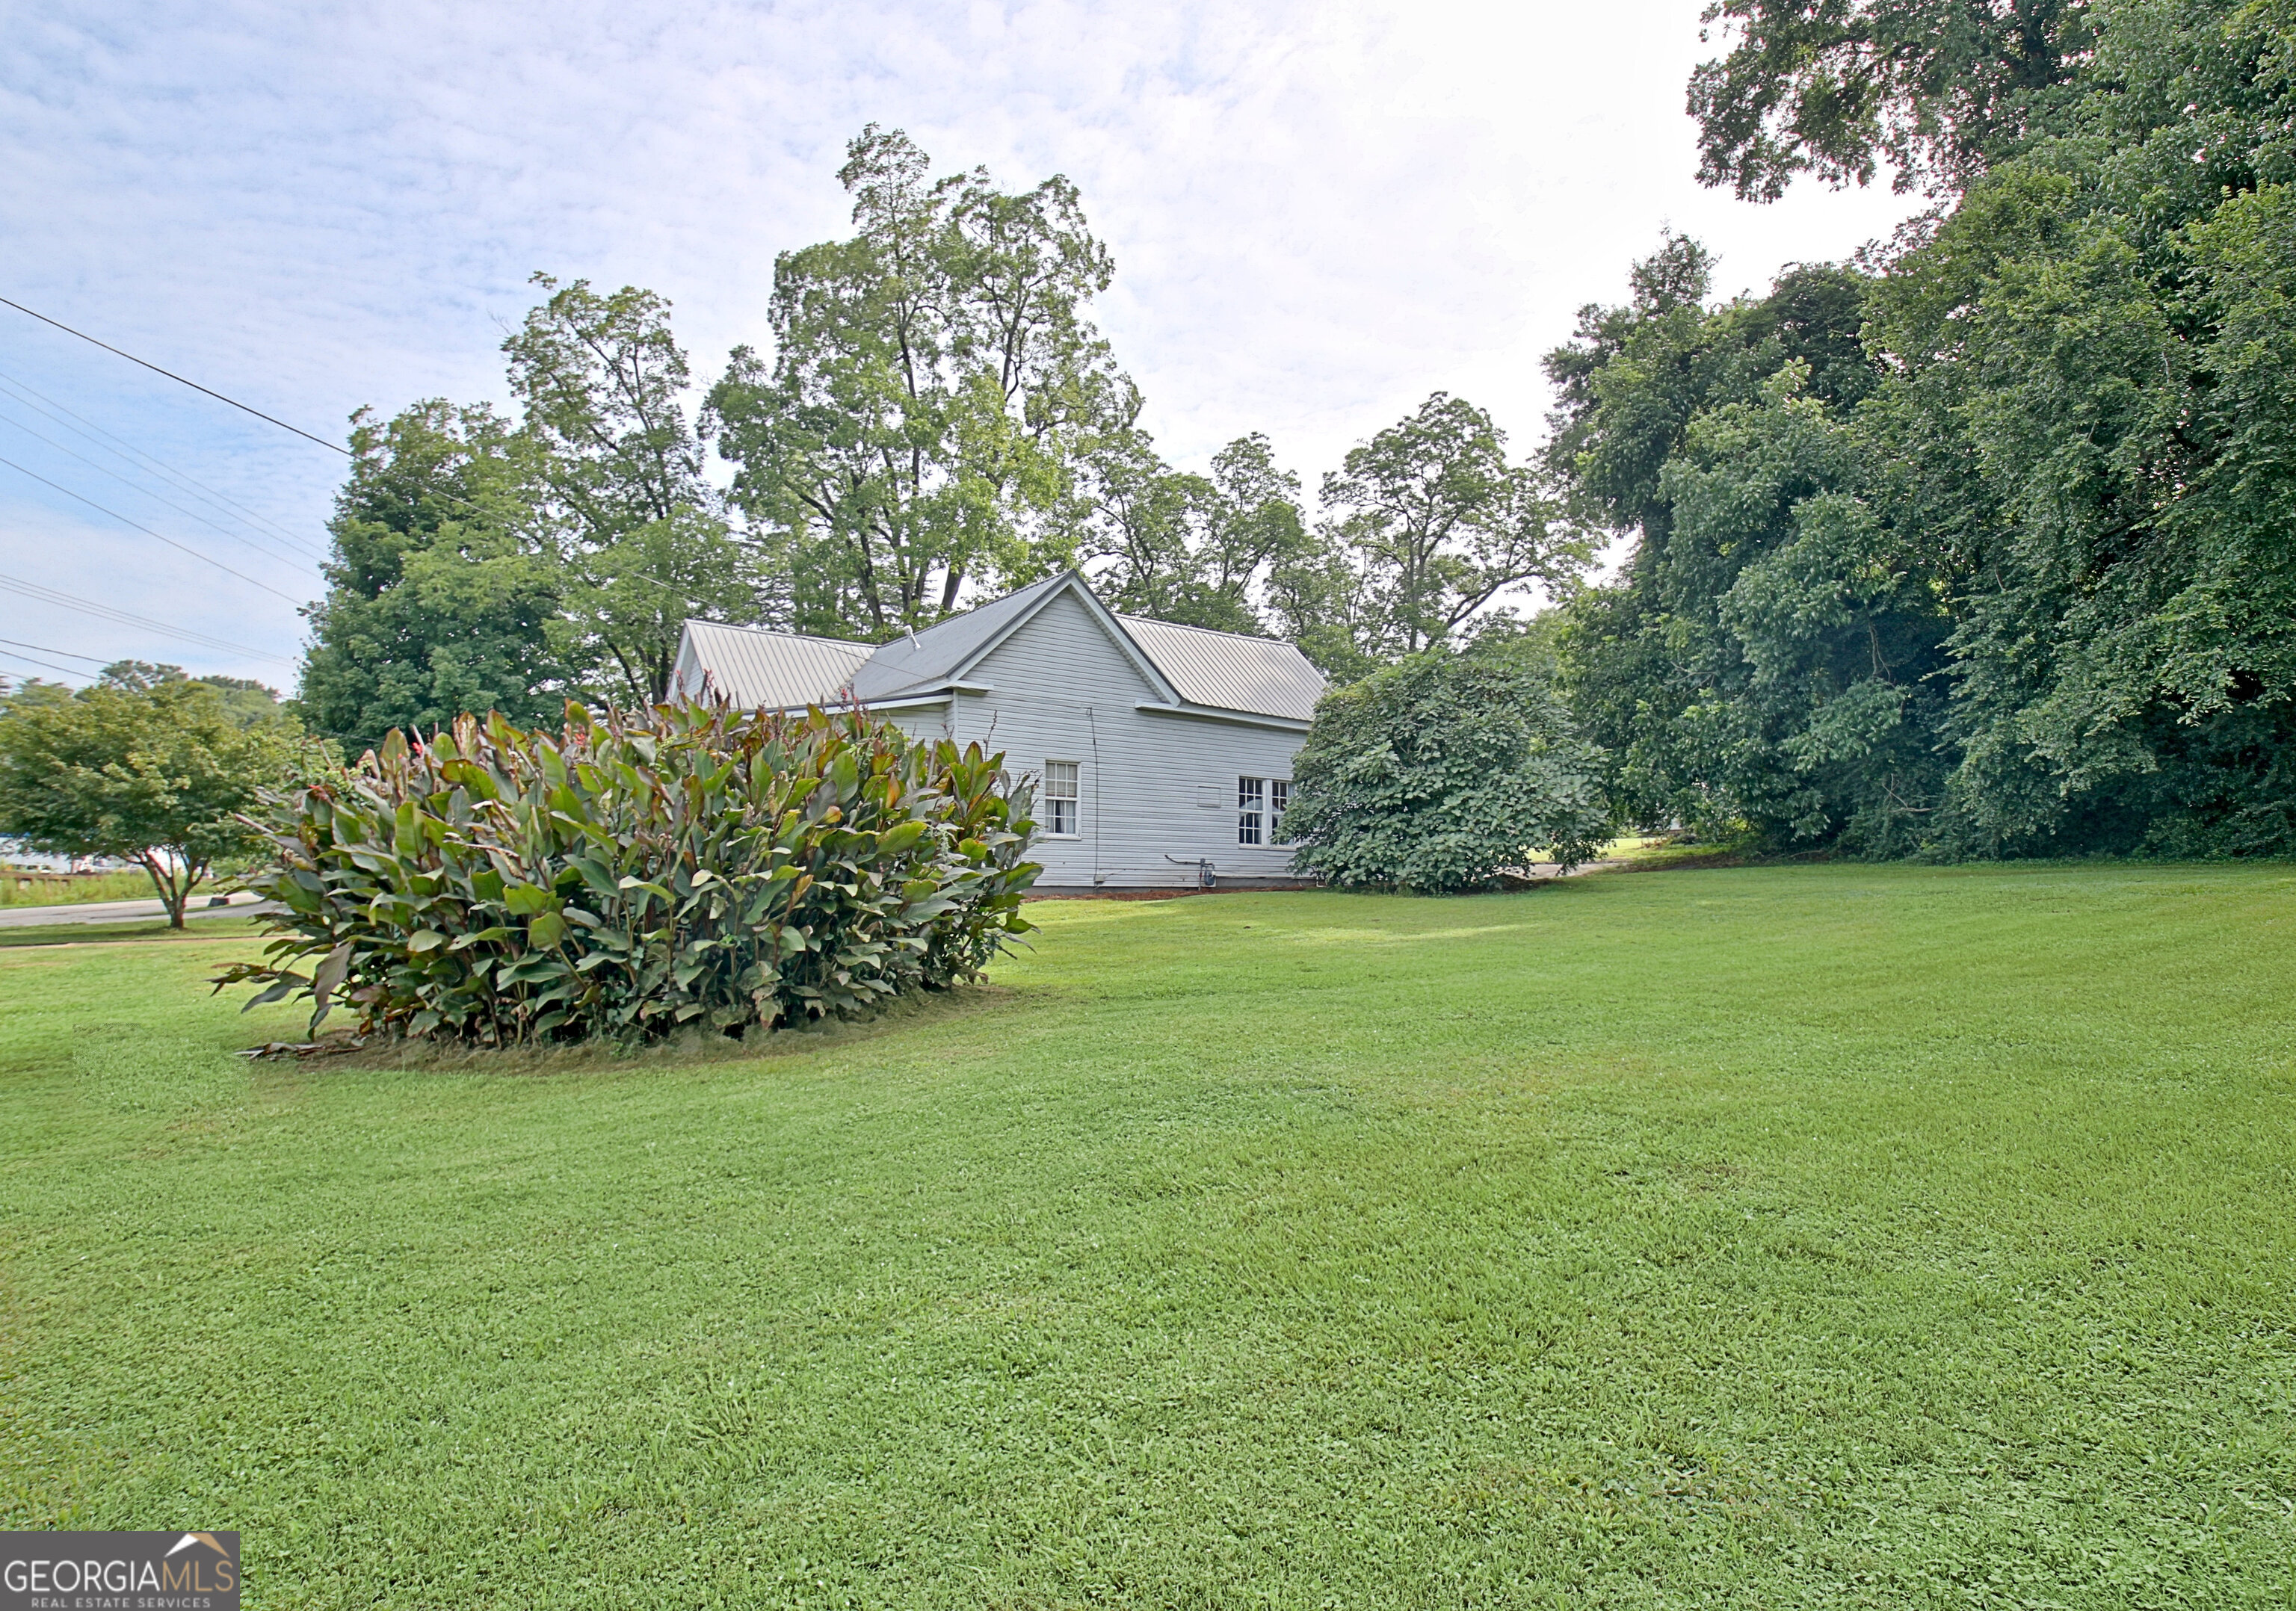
687, 865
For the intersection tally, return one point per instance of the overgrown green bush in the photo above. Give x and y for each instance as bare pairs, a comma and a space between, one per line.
1441, 770
640, 873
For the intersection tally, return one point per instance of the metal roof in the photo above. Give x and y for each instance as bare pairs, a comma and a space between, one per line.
1229, 671
929, 659
782, 669
1218, 670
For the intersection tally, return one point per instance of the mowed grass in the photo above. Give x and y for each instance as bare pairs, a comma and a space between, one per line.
1757, 1236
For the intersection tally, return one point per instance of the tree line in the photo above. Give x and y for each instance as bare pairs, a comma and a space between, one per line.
937, 418
1981, 544
1984, 543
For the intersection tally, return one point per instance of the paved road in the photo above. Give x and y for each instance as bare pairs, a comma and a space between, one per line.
121, 911
243, 905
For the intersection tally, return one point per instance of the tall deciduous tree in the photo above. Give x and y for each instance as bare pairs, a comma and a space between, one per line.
149, 771
1937, 88
1437, 524
618, 481
934, 381
1985, 550
1768, 656
1198, 549
441, 597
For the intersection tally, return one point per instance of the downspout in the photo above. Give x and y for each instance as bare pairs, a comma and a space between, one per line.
1093, 723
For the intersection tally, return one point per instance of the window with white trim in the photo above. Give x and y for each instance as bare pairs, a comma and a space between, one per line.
1279, 799
1250, 811
1060, 799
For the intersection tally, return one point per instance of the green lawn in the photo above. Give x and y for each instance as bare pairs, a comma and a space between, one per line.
1750, 1237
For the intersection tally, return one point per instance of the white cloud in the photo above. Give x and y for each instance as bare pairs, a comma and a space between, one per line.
1319, 213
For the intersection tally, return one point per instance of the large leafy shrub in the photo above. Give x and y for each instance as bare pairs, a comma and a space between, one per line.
1440, 771
688, 865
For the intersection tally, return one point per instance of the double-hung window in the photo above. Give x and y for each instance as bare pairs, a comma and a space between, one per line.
1260, 804
1250, 811
1060, 799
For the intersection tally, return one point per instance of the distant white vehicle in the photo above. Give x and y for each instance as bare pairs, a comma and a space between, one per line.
1162, 753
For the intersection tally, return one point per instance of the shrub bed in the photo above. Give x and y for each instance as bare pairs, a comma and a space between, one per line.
688, 865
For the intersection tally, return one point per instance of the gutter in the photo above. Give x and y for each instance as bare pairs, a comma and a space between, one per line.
1208, 713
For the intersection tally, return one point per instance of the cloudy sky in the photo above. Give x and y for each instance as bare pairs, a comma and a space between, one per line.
1319, 213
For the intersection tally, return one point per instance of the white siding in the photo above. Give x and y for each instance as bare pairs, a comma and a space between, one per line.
920, 721
1061, 689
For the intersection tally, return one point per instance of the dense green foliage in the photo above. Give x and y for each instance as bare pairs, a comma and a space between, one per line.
1937, 88
441, 598
1845, 1236
621, 503
690, 866
146, 767
1771, 654
934, 383
1435, 773
1984, 549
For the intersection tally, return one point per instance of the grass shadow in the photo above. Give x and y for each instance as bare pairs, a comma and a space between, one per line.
689, 1049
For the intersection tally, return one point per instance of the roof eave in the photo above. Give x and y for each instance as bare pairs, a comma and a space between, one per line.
1214, 713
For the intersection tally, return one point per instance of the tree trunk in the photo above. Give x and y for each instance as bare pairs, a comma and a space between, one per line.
170, 896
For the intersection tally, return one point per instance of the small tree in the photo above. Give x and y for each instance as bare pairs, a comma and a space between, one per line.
153, 775
1435, 773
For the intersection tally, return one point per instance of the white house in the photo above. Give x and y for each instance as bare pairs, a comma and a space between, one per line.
1162, 753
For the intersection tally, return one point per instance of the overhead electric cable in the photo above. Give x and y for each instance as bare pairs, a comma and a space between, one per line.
179, 379
297, 561
31, 660
44, 648
39, 402
199, 487
49, 595
147, 532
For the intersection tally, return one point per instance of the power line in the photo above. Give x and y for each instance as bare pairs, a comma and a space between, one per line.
49, 595
41, 403
195, 386
269, 552
179, 379
50, 665
192, 484
44, 648
147, 532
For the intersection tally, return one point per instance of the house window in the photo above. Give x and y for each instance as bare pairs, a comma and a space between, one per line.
1250, 811
1279, 797
1060, 799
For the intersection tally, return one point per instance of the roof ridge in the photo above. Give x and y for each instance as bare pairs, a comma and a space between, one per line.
776, 632
1217, 632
